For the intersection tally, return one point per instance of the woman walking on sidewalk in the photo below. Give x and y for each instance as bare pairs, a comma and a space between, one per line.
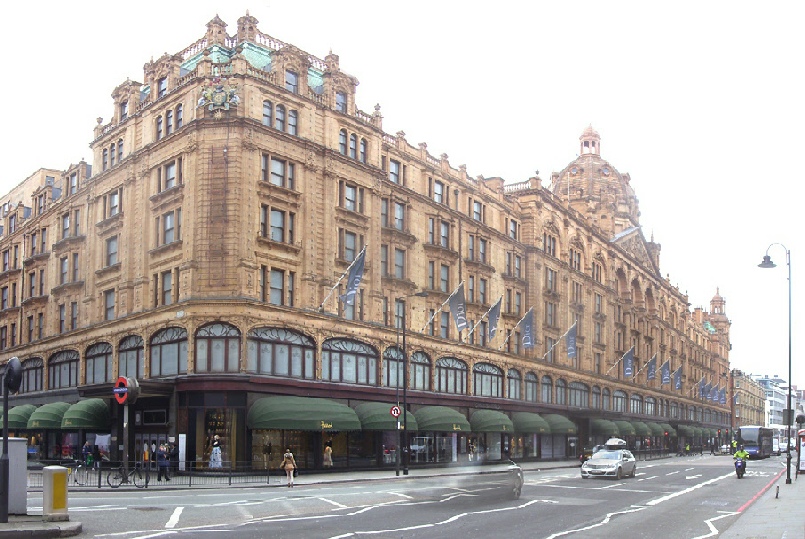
289, 465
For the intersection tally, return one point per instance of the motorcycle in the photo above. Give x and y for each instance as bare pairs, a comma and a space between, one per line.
516, 479
740, 467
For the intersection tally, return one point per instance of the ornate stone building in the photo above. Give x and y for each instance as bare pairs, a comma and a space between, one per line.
749, 400
204, 251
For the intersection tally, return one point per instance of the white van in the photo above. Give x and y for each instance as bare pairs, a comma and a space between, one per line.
775, 446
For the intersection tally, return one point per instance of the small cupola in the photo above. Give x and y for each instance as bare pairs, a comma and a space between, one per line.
590, 142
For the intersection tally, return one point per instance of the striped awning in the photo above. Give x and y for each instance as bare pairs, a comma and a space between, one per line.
19, 415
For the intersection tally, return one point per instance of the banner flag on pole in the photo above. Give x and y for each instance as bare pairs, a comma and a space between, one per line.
665, 372
678, 378
459, 307
494, 318
722, 396
628, 363
571, 341
706, 392
354, 279
651, 373
528, 329
714, 394
701, 387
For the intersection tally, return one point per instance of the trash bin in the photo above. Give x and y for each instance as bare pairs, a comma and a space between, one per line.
17, 475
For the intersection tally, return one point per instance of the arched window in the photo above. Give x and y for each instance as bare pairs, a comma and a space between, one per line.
619, 401
605, 399
419, 371
280, 352
32, 370
362, 151
130, 357
531, 383
487, 380
268, 110
345, 360
342, 142
451, 376
393, 367
547, 390
63, 369
561, 392
99, 363
293, 122
651, 406
636, 404
353, 143
579, 395
514, 379
112, 155
596, 402
279, 118
218, 348
169, 352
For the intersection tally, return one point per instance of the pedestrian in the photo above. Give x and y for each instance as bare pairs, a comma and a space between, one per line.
86, 452
215, 455
162, 463
687, 449
173, 455
289, 465
328, 454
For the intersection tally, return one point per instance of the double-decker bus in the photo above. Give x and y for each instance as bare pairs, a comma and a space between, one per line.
757, 441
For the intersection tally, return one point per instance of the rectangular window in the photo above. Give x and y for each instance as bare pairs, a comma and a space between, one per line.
40, 326
550, 279
162, 87
64, 270
598, 303
278, 172
169, 122
431, 274
4, 298
550, 314
109, 304
32, 284
384, 260
549, 244
291, 81
384, 212
111, 251
399, 263
74, 315
75, 268
513, 229
124, 110
597, 272
44, 246
34, 244
30, 327
444, 278
65, 225
171, 229
438, 192
394, 171
62, 318
482, 285
74, 183
444, 234
167, 287
399, 216
341, 102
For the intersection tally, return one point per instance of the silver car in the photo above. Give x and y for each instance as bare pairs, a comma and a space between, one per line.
615, 463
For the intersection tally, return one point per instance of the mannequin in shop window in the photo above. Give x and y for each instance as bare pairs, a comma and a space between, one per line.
215, 456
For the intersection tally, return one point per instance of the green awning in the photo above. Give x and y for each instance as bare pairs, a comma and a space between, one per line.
713, 433
90, 414
440, 419
528, 422
560, 424
490, 421
641, 429
626, 428
604, 427
655, 428
698, 432
669, 429
377, 416
301, 413
19, 415
685, 430
48, 416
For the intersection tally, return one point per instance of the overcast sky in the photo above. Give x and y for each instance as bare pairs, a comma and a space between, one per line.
700, 102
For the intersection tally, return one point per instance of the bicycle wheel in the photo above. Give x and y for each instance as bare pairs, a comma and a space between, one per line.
140, 478
115, 478
80, 474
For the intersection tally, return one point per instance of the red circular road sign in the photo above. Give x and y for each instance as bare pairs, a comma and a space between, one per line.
121, 389
395, 411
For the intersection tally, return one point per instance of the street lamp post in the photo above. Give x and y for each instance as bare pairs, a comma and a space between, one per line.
767, 263
402, 435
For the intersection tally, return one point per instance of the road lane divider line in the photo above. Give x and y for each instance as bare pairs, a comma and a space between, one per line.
174, 519
687, 490
604, 522
713, 530
334, 503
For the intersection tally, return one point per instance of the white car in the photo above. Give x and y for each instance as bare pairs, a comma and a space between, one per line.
615, 463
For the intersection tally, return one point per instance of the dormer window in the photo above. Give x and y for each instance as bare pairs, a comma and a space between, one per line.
124, 110
291, 81
341, 102
162, 87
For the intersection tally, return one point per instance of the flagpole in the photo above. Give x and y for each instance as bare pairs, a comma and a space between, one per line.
480, 320
437, 311
559, 340
512, 331
618, 362
330, 293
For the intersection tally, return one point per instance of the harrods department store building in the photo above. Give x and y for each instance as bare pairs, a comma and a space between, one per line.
201, 253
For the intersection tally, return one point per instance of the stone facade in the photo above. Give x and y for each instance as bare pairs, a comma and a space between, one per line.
232, 189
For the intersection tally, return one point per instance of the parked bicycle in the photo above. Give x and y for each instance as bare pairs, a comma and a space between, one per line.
135, 475
77, 472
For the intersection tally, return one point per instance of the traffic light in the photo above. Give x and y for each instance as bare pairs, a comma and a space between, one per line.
666, 433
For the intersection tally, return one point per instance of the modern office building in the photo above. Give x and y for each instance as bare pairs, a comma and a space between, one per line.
204, 250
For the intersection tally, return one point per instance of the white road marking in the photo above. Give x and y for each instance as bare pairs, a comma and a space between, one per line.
713, 529
685, 491
174, 519
693, 476
334, 503
602, 523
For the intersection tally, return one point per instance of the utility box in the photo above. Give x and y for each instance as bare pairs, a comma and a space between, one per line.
54, 494
17, 475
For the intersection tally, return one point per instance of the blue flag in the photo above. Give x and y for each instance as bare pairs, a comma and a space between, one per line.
494, 317
354, 279
714, 394
701, 387
571, 340
706, 392
651, 372
665, 372
628, 363
529, 333
678, 378
459, 307
722, 396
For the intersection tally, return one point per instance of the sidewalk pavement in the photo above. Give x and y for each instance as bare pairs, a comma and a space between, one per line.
776, 512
